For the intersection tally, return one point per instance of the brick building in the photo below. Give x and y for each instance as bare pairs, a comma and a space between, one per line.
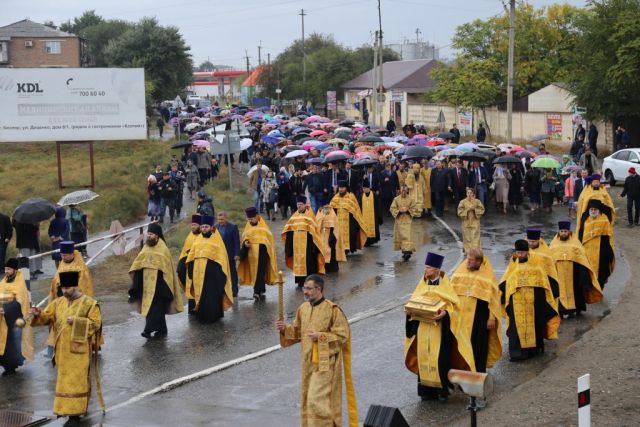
27, 44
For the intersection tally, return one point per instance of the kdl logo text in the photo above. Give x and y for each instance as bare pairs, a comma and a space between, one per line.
29, 88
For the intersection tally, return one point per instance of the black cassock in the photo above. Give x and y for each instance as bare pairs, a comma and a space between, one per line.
181, 269
542, 314
332, 266
311, 256
211, 307
581, 284
263, 256
12, 357
378, 219
162, 297
480, 335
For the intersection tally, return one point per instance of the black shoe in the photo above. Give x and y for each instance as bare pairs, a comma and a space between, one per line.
146, 334
443, 398
39, 272
8, 372
263, 296
160, 334
72, 421
256, 297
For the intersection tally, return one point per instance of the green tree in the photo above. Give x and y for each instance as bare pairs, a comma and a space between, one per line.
206, 66
161, 51
605, 76
329, 64
546, 40
87, 19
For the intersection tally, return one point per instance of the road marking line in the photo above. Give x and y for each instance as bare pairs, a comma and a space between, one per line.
169, 385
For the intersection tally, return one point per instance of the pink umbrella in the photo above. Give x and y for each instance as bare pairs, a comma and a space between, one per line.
308, 145
435, 141
317, 133
367, 155
420, 136
312, 119
515, 149
201, 143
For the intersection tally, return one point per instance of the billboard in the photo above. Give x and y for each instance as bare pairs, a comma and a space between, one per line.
465, 122
554, 126
72, 104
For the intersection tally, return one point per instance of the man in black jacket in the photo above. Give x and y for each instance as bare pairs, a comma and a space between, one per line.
458, 177
167, 189
580, 184
6, 233
632, 191
456, 134
354, 179
439, 184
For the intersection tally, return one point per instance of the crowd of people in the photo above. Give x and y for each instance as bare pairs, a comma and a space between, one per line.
334, 203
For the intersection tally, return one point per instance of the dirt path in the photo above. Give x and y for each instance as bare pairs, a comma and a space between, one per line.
610, 353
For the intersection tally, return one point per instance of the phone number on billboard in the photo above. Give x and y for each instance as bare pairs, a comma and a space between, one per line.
92, 93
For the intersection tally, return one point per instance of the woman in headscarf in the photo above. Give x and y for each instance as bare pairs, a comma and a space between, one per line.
153, 194
501, 177
58, 231
284, 193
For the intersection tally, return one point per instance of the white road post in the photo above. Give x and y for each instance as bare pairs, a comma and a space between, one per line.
584, 401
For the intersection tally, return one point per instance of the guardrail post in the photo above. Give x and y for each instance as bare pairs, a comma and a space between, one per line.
584, 401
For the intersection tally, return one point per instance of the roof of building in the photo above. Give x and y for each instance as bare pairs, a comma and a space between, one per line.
407, 76
27, 28
253, 78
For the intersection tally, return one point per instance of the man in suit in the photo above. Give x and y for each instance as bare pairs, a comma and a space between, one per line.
373, 179
478, 178
331, 178
231, 238
439, 183
580, 184
458, 178
354, 179
388, 187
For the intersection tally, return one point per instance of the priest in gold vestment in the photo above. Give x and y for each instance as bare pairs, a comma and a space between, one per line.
208, 270
329, 231
470, 210
433, 348
528, 304
416, 184
476, 285
596, 235
77, 326
352, 226
16, 344
323, 332
594, 191
155, 284
404, 209
258, 264
371, 213
181, 269
538, 248
425, 171
303, 248
578, 282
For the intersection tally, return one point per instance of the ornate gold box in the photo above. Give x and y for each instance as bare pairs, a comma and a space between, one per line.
424, 308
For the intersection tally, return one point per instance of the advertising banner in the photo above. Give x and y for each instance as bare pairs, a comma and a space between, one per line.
554, 126
465, 122
72, 104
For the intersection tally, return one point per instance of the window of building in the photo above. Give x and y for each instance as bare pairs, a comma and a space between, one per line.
52, 47
4, 52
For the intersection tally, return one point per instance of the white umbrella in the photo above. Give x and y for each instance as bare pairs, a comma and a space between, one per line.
507, 147
255, 168
245, 143
191, 126
77, 197
296, 153
394, 144
450, 152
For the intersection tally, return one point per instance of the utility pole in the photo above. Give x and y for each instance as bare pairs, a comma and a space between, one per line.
380, 60
374, 81
268, 59
304, 62
511, 78
246, 55
418, 35
260, 53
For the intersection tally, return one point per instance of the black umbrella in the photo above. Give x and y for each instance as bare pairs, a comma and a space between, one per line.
475, 156
300, 136
419, 151
365, 162
342, 135
445, 135
507, 159
339, 157
371, 138
34, 210
347, 122
181, 144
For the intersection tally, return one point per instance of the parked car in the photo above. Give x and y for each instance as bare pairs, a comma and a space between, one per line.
616, 166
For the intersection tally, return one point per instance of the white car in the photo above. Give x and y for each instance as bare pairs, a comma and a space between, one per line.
616, 166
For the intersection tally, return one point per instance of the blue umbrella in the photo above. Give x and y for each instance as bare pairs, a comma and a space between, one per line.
270, 139
314, 161
322, 146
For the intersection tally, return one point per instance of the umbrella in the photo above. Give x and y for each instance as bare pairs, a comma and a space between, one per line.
77, 197
482, 146
572, 168
245, 143
312, 143
181, 144
507, 159
317, 132
296, 153
393, 144
370, 138
440, 147
546, 163
270, 139
255, 168
191, 126
336, 141
201, 143
445, 135
516, 149
436, 141
347, 122
525, 154
365, 161
342, 135
546, 156
34, 210
538, 138
452, 152
314, 161
507, 147
467, 146
336, 156
475, 156
300, 136
418, 151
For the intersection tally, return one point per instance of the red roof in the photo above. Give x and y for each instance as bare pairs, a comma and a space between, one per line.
252, 80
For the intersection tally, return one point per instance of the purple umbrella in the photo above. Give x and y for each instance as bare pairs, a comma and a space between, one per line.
314, 161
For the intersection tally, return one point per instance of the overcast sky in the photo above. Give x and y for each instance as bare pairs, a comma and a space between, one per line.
221, 30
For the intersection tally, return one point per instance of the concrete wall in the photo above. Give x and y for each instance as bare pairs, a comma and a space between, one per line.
551, 98
37, 56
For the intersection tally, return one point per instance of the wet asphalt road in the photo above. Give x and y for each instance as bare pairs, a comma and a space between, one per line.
372, 287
